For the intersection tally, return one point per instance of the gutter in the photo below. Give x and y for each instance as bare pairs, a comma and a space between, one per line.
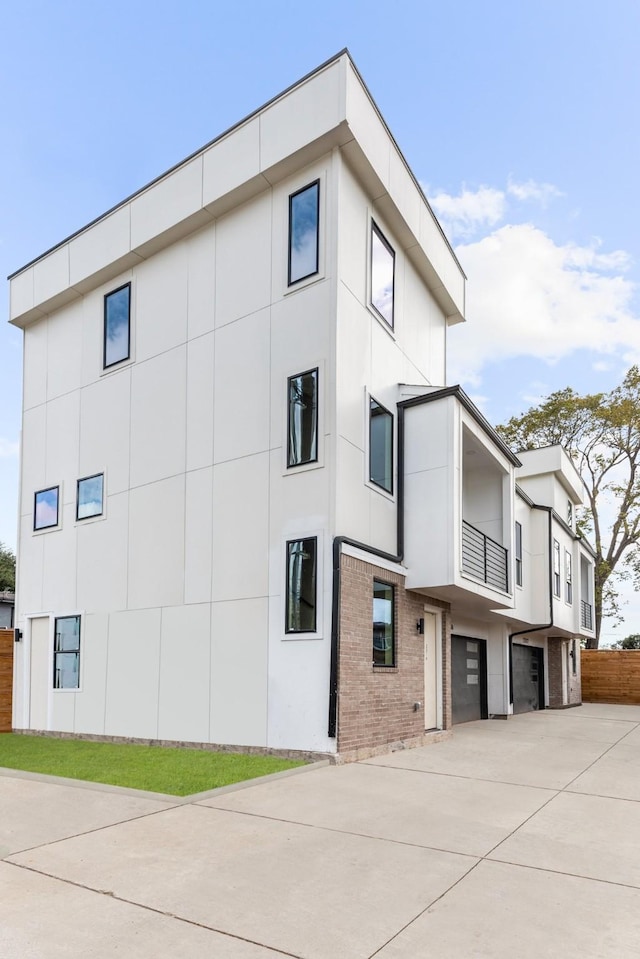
535, 629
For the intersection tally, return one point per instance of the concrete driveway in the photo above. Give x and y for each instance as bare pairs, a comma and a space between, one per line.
512, 839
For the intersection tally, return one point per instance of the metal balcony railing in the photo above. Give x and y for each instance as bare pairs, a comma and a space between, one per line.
586, 615
483, 558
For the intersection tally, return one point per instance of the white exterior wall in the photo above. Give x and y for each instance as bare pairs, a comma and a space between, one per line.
181, 580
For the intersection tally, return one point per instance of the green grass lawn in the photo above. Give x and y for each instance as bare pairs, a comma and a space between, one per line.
178, 772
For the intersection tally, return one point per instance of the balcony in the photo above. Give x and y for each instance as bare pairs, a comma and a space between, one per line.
483, 559
586, 615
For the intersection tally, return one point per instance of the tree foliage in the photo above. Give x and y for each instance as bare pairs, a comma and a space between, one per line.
7, 568
629, 642
601, 431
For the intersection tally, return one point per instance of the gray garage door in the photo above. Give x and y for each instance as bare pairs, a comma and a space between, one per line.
528, 690
468, 679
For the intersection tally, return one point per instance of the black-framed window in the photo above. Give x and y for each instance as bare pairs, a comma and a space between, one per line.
556, 567
90, 496
384, 634
568, 576
301, 585
383, 261
66, 652
302, 433
46, 508
380, 446
304, 232
518, 556
575, 652
117, 326
570, 513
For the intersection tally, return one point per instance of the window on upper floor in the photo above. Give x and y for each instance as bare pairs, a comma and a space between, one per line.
570, 513
66, 653
568, 577
89, 499
518, 556
556, 568
380, 446
304, 229
302, 435
384, 644
46, 508
301, 585
117, 326
382, 275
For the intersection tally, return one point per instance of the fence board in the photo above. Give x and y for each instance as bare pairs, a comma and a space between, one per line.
610, 676
6, 679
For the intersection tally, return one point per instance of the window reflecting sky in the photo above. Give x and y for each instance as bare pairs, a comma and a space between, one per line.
304, 233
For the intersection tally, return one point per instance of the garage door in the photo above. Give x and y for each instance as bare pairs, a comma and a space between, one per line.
468, 679
528, 689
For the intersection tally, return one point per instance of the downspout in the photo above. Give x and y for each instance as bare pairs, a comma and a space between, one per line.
535, 629
338, 542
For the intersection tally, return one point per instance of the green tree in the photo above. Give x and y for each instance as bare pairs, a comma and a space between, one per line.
629, 642
601, 431
7, 568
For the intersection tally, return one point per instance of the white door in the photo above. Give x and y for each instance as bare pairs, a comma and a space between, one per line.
39, 678
430, 671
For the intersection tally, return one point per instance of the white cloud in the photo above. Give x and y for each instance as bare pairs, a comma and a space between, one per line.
8, 448
530, 190
462, 215
528, 296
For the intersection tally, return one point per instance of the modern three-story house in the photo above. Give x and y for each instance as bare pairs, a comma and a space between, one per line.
252, 512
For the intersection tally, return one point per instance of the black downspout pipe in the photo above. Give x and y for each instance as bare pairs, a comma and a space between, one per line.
535, 629
389, 557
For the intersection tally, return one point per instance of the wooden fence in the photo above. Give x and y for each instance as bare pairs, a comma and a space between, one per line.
6, 679
610, 676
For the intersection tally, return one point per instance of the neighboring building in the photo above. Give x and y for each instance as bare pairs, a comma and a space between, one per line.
252, 512
7, 603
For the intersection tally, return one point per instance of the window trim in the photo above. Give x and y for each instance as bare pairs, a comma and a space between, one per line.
517, 553
66, 689
123, 359
376, 229
49, 526
301, 632
394, 644
568, 577
292, 283
82, 479
316, 459
556, 569
378, 486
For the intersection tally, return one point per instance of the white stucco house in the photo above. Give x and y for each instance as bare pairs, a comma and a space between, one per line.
252, 512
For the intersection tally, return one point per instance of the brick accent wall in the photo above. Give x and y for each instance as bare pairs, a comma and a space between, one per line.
6, 679
555, 651
376, 704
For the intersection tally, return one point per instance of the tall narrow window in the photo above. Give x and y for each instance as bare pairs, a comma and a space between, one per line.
301, 585
384, 646
90, 496
45, 508
568, 577
66, 653
570, 513
302, 443
518, 554
382, 275
304, 221
117, 325
380, 446
556, 567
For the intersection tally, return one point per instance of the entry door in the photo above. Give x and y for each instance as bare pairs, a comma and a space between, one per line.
430, 671
468, 679
527, 665
39, 674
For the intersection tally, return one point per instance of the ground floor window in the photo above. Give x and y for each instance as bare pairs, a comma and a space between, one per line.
66, 653
384, 647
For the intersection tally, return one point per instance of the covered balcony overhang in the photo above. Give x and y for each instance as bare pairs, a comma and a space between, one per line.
459, 503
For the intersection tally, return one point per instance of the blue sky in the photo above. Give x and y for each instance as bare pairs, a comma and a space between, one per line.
520, 121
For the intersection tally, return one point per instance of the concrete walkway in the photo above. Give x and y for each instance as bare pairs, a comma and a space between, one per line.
512, 839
